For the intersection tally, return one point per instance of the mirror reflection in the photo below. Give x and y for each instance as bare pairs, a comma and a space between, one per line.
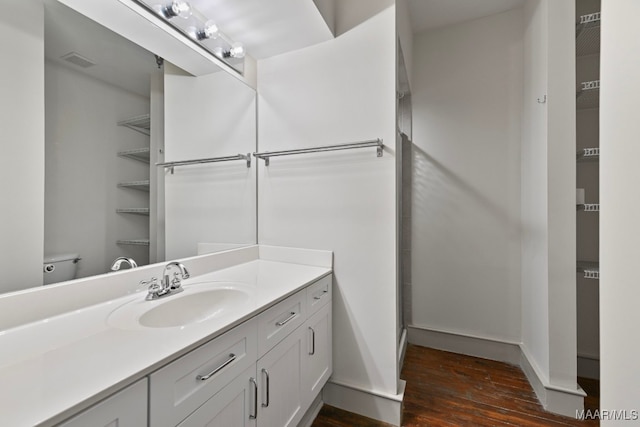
113, 111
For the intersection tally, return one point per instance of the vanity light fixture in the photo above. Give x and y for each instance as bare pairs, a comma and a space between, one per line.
178, 8
209, 31
198, 28
237, 50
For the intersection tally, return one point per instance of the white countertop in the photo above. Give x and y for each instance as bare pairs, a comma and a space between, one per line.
54, 367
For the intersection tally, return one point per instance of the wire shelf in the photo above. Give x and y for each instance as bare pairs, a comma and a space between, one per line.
588, 155
136, 185
588, 207
589, 269
133, 242
589, 95
588, 35
139, 154
140, 124
136, 211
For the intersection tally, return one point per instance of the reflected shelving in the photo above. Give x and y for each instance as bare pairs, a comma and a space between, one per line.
588, 35
139, 154
589, 269
589, 95
133, 242
140, 123
135, 211
142, 185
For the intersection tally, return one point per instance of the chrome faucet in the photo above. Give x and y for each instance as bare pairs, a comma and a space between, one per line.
118, 263
167, 286
174, 284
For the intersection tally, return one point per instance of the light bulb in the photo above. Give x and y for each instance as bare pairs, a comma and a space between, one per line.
179, 8
209, 31
237, 50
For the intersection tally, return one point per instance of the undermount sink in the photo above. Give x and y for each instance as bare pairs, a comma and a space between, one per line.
196, 304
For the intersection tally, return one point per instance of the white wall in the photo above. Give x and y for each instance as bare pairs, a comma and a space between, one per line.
535, 234
561, 189
339, 91
22, 143
467, 98
405, 36
548, 206
205, 117
619, 226
83, 170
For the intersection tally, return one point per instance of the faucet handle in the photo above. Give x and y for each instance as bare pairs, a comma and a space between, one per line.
155, 289
152, 281
176, 282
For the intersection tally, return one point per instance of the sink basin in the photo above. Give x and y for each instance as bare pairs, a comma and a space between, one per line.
196, 304
192, 308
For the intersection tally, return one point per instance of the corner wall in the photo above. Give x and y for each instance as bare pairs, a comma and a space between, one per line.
22, 144
619, 226
467, 100
335, 92
548, 206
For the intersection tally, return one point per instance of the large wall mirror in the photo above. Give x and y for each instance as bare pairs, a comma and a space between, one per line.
113, 110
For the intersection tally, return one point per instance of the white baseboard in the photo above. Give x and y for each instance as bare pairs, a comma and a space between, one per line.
559, 400
554, 399
588, 367
485, 348
379, 406
313, 411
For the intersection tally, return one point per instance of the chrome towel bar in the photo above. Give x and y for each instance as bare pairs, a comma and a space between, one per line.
352, 145
245, 157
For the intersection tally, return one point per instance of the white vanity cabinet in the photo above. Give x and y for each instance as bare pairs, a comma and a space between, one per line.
126, 408
233, 406
183, 386
281, 400
317, 357
298, 361
265, 372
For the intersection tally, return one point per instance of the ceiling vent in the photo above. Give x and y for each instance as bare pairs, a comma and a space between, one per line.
79, 60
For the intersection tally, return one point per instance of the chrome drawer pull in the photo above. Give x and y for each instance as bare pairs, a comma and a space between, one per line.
255, 401
321, 295
287, 320
266, 373
231, 358
313, 341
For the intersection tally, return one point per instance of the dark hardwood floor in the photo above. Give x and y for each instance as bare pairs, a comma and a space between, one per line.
448, 389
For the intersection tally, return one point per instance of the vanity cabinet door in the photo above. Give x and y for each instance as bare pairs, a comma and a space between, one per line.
317, 358
280, 391
127, 408
233, 406
181, 387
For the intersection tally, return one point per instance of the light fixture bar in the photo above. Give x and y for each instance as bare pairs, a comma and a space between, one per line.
197, 33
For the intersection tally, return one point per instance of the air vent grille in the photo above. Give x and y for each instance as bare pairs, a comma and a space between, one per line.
79, 60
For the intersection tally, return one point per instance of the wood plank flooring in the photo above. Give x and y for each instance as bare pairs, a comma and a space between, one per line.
448, 389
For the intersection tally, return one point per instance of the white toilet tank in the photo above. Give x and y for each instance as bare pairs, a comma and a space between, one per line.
58, 268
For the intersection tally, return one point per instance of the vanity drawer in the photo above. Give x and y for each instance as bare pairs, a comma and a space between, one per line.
184, 385
319, 294
280, 320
